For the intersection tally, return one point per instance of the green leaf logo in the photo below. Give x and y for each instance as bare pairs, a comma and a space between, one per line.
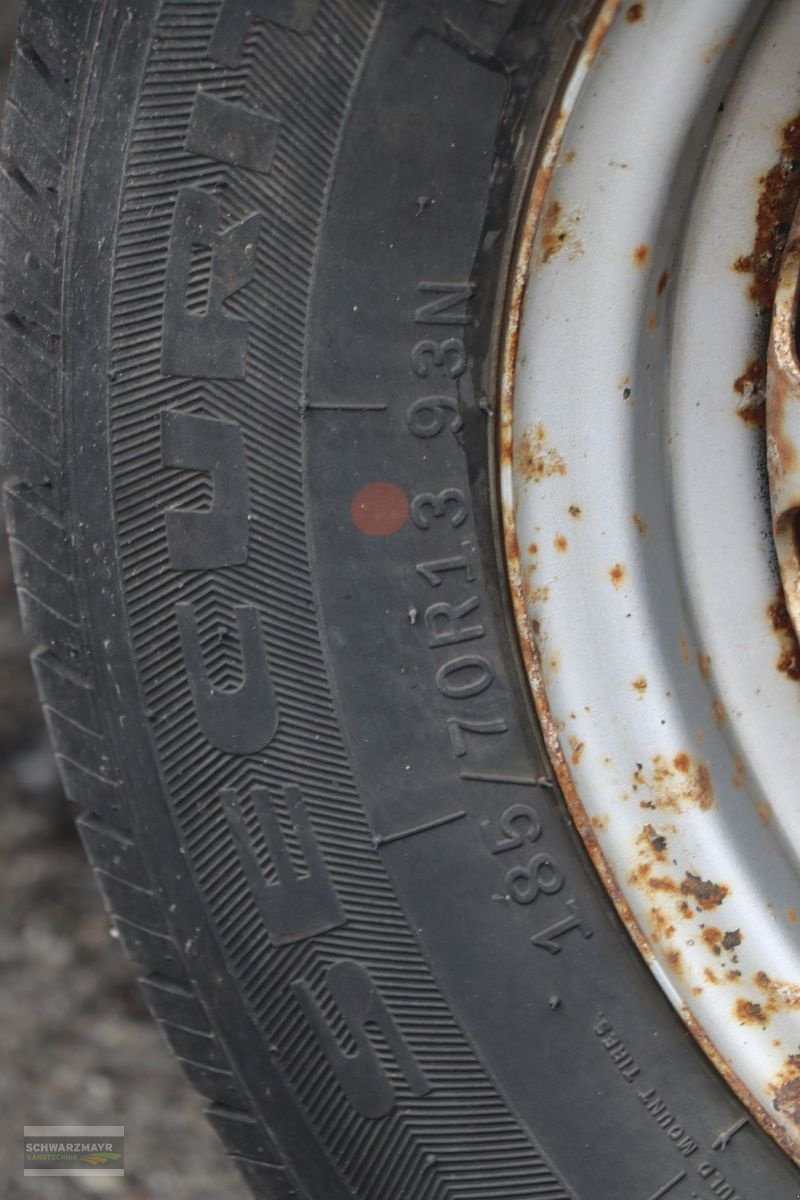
98, 1160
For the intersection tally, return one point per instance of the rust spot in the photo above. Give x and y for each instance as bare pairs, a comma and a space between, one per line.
635, 13
704, 663
677, 784
776, 204
663, 883
780, 995
660, 926
577, 749
673, 957
713, 939
569, 156
537, 460
684, 648
641, 254
751, 386
764, 810
640, 524
559, 232
654, 845
600, 821
703, 787
560, 543
786, 1089
788, 661
718, 708
533, 548
733, 975
707, 894
575, 512
663, 280
749, 1012
652, 320
740, 770
536, 595
710, 976
714, 50
791, 913
617, 574
639, 684
732, 939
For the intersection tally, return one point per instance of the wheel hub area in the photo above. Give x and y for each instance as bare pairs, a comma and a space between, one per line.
636, 484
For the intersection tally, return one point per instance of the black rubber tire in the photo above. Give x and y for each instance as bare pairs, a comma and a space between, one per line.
243, 245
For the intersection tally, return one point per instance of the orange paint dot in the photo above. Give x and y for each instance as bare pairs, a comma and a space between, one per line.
379, 509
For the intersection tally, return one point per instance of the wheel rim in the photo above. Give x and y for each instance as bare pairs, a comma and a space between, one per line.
662, 660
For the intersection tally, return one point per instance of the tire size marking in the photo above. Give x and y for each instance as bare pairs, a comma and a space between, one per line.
455, 624
452, 622
519, 827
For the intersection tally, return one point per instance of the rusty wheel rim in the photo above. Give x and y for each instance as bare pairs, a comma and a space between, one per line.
635, 495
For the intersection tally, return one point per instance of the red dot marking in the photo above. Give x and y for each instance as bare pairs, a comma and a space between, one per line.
379, 509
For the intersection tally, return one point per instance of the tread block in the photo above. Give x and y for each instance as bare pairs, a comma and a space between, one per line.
150, 948
266, 1179
211, 1082
21, 254
47, 627
39, 578
93, 792
66, 691
170, 1001
34, 215
137, 904
28, 417
29, 521
21, 292
27, 462
28, 362
76, 742
109, 849
242, 1135
21, 141
53, 30
201, 1048
57, 25
39, 87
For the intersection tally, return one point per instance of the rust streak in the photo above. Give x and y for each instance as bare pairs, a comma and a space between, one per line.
788, 661
751, 386
777, 201
641, 525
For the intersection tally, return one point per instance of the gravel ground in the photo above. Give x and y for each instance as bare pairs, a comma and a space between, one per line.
76, 1043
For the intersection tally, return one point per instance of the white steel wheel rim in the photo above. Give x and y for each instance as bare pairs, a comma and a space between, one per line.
636, 513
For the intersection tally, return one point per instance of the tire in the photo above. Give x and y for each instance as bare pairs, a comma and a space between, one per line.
243, 245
